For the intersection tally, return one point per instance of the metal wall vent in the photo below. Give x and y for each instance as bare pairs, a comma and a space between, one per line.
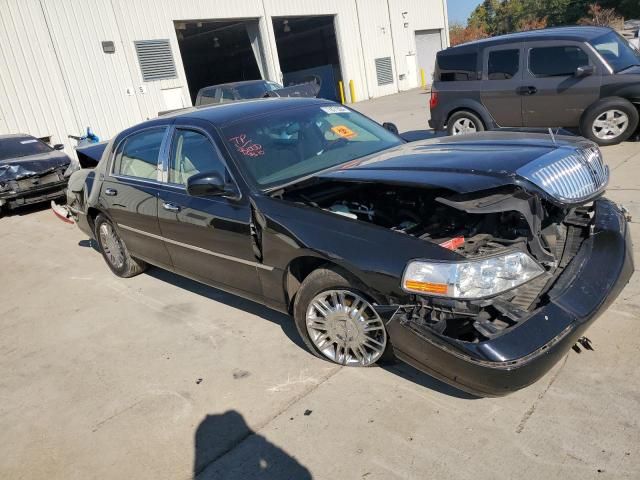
384, 70
155, 59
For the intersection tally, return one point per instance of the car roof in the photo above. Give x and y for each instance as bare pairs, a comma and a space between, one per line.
15, 135
234, 84
224, 113
575, 33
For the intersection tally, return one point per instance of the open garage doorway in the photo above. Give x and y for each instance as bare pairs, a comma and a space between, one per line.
307, 47
216, 52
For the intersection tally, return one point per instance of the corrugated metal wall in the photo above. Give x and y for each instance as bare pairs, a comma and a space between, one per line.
33, 98
56, 80
97, 81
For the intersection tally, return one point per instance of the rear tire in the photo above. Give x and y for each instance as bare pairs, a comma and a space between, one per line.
337, 321
609, 121
114, 251
464, 122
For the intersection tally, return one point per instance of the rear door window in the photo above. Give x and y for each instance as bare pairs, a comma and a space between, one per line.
556, 61
503, 64
137, 156
458, 67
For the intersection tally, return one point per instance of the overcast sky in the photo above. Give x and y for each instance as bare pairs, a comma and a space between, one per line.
459, 10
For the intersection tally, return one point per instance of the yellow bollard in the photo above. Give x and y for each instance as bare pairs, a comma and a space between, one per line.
423, 83
352, 91
341, 88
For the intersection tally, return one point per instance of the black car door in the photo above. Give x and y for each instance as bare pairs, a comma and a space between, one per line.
129, 193
209, 238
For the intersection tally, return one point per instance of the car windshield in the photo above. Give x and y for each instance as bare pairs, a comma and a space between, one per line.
15, 147
278, 148
616, 51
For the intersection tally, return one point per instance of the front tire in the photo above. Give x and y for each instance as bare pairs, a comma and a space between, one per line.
337, 321
464, 122
114, 251
609, 121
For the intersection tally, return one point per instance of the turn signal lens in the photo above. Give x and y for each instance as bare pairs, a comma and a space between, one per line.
477, 278
426, 287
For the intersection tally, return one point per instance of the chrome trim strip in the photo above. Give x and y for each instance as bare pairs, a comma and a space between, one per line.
197, 249
600, 57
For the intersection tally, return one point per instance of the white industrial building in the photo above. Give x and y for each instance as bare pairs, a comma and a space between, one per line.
108, 64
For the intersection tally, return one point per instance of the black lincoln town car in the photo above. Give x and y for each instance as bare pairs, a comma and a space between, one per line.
479, 259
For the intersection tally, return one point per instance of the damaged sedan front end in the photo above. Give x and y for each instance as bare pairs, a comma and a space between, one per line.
538, 253
480, 259
31, 171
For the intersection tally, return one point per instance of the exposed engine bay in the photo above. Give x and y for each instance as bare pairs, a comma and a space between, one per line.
474, 226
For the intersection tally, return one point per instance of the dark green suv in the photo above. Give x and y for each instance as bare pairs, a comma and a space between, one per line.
585, 78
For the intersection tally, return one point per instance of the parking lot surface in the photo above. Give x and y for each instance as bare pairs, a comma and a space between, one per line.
160, 377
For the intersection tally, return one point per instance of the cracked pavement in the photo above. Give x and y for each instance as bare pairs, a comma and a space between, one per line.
160, 377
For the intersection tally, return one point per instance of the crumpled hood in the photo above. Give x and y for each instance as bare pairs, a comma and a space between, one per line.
462, 163
32, 165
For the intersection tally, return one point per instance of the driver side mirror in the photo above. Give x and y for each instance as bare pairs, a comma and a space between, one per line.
58, 146
210, 184
391, 127
584, 71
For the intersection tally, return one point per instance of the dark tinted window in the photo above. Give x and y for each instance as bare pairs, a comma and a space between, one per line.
458, 67
138, 155
15, 147
226, 95
206, 97
503, 64
191, 153
556, 61
252, 90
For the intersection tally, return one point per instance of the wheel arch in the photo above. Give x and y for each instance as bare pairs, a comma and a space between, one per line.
302, 266
474, 107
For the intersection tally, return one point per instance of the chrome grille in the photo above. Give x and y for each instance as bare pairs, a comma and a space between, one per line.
572, 176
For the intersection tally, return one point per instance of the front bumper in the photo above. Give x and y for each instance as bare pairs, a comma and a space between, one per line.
525, 352
16, 195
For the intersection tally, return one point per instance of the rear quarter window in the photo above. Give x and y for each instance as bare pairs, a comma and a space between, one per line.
457, 67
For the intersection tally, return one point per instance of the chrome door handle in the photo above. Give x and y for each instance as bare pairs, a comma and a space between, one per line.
172, 207
112, 192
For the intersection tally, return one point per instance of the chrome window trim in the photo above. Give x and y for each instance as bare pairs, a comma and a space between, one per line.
110, 170
600, 57
197, 249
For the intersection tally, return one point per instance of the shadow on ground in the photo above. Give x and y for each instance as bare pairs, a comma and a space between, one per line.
288, 327
411, 374
280, 319
217, 435
25, 209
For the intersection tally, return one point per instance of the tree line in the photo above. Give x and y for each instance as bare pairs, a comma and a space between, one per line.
497, 17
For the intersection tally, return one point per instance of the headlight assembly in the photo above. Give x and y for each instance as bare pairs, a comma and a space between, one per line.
470, 279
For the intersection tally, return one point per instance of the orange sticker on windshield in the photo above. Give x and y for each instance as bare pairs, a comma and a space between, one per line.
344, 132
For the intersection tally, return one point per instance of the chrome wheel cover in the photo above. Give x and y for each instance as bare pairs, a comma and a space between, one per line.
610, 124
464, 125
111, 246
345, 328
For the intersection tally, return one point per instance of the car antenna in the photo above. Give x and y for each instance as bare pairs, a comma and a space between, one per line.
553, 137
